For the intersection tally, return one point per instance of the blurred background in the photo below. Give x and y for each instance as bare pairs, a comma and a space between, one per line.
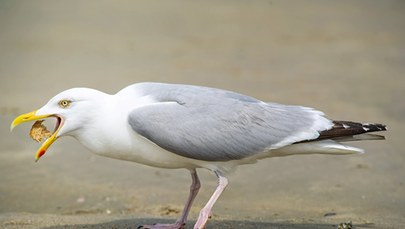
346, 58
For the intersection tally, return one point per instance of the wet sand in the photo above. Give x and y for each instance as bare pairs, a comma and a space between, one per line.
345, 58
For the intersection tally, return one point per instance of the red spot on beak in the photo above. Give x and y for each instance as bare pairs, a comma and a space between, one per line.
39, 155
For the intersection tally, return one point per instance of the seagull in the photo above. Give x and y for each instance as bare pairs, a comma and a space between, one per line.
177, 126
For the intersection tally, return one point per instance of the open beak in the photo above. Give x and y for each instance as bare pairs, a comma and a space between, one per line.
31, 116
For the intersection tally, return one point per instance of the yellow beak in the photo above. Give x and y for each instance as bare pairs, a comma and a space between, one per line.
31, 116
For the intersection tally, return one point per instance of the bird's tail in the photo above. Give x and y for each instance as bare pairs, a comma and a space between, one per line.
330, 141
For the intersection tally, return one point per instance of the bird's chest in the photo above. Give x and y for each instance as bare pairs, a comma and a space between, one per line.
125, 144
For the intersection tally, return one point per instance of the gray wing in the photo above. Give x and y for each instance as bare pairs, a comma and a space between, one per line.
217, 125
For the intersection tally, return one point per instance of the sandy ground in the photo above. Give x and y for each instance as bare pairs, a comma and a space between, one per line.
346, 58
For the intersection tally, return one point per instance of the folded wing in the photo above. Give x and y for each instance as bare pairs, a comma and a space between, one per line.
217, 125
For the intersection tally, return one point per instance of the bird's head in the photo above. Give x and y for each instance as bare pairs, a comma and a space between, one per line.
71, 108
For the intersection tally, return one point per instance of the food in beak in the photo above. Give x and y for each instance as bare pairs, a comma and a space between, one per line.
39, 132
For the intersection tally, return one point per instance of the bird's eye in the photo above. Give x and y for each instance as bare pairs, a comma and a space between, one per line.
64, 103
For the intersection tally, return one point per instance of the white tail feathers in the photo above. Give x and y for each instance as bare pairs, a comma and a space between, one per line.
316, 147
360, 137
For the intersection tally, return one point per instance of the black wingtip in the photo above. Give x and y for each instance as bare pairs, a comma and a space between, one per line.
363, 127
370, 127
349, 128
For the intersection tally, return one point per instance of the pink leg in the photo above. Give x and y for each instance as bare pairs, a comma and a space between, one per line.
206, 211
194, 188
